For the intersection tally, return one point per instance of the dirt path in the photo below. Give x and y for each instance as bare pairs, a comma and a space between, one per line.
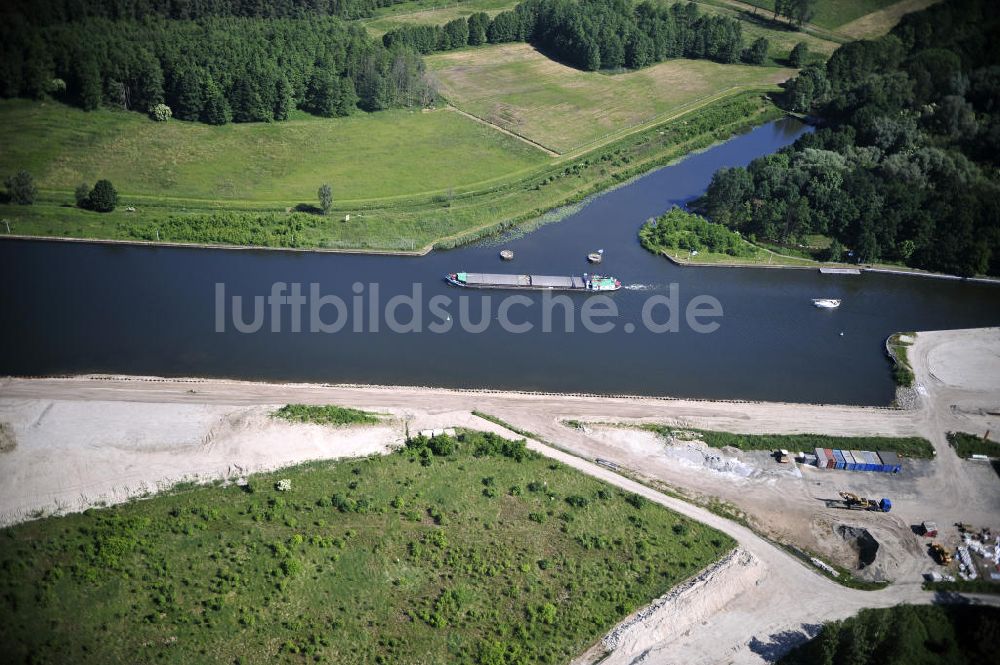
476, 118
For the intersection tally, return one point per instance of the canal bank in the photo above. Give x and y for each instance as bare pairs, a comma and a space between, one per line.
80, 308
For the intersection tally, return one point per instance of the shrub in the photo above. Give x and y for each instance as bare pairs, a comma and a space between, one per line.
798, 56
21, 188
327, 414
635, 500
325, 195
577, 501
82, 195
103, 197
160, 112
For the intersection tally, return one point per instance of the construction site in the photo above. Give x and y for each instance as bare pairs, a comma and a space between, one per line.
814, 543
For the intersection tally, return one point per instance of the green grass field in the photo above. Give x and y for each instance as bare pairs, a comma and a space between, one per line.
912, 446
832, 14
480, 554
431, 12
405, 223
781, 38
365, 156
515, 87
439, 12
966, 445
328, 414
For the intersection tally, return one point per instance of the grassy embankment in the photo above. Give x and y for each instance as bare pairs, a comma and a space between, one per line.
964, 586
407, 179
467, 550
327, 414
966, 445
831, 14
898, 346
911, 446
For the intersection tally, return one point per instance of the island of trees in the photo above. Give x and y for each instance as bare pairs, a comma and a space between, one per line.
904, 165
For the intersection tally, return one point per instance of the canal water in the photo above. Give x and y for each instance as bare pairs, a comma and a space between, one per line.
77, 308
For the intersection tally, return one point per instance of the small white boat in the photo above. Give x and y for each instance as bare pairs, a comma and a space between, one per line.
507, 254
596, 257
826, 303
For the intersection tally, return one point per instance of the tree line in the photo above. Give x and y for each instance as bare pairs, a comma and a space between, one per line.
47, 12
214, 70
904, 165
912, 634
594, 34
799, 11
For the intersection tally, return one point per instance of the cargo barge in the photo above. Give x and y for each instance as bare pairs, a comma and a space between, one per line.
477, 280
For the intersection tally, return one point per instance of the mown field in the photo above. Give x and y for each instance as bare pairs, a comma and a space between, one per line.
431, 12
480, 553
832, 14
438, 12
881, 22
780, 36
365, 156
515, 87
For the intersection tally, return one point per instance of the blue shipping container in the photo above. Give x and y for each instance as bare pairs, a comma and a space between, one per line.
890, 461
861, 464
874, 463
839, 461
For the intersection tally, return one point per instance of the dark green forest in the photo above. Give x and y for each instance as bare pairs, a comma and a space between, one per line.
905, 635
904, 166
46, 12
214, 70
594, 34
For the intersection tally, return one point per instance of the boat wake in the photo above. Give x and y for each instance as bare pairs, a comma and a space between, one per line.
643, 287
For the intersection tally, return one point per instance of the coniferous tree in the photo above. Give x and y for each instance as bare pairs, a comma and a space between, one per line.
798, 56
103, 197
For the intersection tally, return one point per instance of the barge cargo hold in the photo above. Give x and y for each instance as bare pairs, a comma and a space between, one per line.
477, 280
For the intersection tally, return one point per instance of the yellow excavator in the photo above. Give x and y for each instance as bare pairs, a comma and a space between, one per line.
940, 554
855, 502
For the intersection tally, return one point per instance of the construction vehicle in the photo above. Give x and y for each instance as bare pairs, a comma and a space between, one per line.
855, 502
940, 554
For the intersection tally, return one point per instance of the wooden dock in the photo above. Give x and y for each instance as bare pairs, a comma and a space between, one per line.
840, 271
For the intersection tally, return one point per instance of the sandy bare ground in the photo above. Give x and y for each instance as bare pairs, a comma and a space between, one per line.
72, 454
82, 440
